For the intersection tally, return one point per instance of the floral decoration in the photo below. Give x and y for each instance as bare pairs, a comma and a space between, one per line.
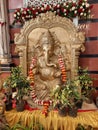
69, 9
62, 68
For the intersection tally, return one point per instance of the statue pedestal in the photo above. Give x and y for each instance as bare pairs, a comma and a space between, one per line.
53, 120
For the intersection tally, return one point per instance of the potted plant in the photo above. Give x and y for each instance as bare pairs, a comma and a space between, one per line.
20, 84
86, 83
64, 97
60, 101
8, 94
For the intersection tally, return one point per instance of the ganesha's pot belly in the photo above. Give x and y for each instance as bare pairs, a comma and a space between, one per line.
47, 73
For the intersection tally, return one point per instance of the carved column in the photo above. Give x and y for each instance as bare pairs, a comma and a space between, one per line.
22, 51
4, 33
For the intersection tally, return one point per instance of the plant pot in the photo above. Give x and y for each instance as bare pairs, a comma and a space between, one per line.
72, 111
20, 105
62, 111
8, 102
8, 106
78, 103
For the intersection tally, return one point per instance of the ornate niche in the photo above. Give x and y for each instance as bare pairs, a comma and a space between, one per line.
63, 39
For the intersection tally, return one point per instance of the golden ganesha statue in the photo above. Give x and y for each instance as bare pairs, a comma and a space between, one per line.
53, 43
47, 73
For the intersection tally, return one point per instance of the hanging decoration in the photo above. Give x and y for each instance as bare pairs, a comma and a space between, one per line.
69, 9
62, 68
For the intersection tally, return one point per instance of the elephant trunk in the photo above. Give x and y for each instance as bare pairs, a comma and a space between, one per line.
47, 60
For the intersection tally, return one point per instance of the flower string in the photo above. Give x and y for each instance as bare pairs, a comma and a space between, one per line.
45, 108
31, 76
62, 68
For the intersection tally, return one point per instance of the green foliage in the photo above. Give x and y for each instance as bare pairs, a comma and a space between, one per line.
66, 94
84, 127
80, 88
18, 81
86, 82
32, 126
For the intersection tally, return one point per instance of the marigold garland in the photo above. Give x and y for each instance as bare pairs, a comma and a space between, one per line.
45, 108
62, 68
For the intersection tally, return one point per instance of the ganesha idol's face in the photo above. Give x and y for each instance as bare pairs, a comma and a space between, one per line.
47, 47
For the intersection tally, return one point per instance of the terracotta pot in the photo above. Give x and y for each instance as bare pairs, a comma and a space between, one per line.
8, 106
20, 105
62, 111
72, 111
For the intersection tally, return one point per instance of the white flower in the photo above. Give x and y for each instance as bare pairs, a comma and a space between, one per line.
75, 11
64, 3
15, 15
70, 1
81, 7
84, 14
18, 13
65, 10
21, 9
36, 13
89, 11
58, 5
87, 5
67, 6
28, 10
81, 14
83, 4
42, 8
24, 12
73, 8
23, 18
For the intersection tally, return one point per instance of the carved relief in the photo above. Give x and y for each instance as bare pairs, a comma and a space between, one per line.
45, 38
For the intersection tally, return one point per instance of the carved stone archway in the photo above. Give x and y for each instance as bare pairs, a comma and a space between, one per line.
66, 34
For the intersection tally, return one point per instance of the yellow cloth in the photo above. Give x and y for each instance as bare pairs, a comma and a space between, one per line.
53, 121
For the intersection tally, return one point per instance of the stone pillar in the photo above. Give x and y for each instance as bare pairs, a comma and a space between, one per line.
4, 33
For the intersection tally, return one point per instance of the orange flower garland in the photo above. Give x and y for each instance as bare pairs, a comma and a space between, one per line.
45, 108
62, 67
31, 76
